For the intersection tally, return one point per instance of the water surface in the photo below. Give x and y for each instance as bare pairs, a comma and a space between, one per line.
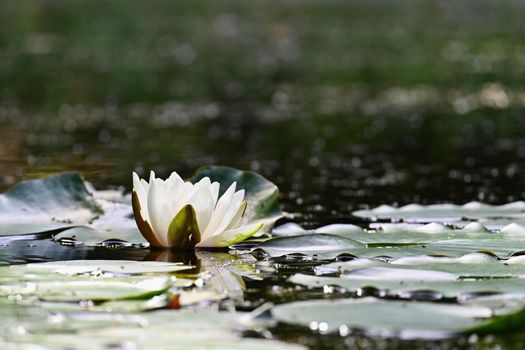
344, 105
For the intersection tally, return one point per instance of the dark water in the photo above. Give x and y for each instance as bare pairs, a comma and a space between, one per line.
325, 166
342, 104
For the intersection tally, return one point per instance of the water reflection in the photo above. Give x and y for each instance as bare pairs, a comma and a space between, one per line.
27, 251
185, 257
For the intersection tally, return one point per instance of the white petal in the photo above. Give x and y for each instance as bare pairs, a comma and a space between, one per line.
237, 218
136, 181
220, 209
202, 203
177, 197
155, 205
175, 178
230, 237
232, 209
164, 221
214, 190
205, 181
188, 189
139, 183
142, 196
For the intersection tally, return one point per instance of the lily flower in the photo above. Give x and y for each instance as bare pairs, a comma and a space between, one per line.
174, 213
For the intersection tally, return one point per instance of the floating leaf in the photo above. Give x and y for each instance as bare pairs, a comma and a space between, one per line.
75, 267
260, 193
395, 318
181, 299
67, 205
47, 204
126, 305
408, 283
91, 237
471, 273
473, 265
445, 212
397, 240
288, 229
91, 289
308, 244
90, 279
293, 229
153, 330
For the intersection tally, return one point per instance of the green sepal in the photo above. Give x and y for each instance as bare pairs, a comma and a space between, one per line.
184, 230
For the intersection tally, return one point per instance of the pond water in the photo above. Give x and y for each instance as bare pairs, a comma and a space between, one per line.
425, 106
325, 167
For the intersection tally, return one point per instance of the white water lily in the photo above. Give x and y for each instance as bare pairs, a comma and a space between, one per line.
180, 214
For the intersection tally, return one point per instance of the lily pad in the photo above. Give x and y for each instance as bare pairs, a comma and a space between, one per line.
410, 284
396, 240
394, 318
308, 244
76, 267
122, 305
472, 273
92, 237
260, 193
473, 265
47, 204
115, 224
90, 279
293, 229
400, 233
181, 299
173, 329
472, 211
66, 206
102, 290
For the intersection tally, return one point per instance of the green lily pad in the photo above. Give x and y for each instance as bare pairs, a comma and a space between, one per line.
101, 290
122, 305
153, 330
92, 237
288, 229
308, 244
393, 234
472, 273
115, 224
76, 267
397, 240
394, 318
183, 298
101, 304
438, 239
445, 212
90, 288
48, 204
90, 279
260, 193
500, 304
405, 283
293, 229
473, 265
69, 208
402, 233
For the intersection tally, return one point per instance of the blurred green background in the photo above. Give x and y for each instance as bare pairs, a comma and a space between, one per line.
342, 103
